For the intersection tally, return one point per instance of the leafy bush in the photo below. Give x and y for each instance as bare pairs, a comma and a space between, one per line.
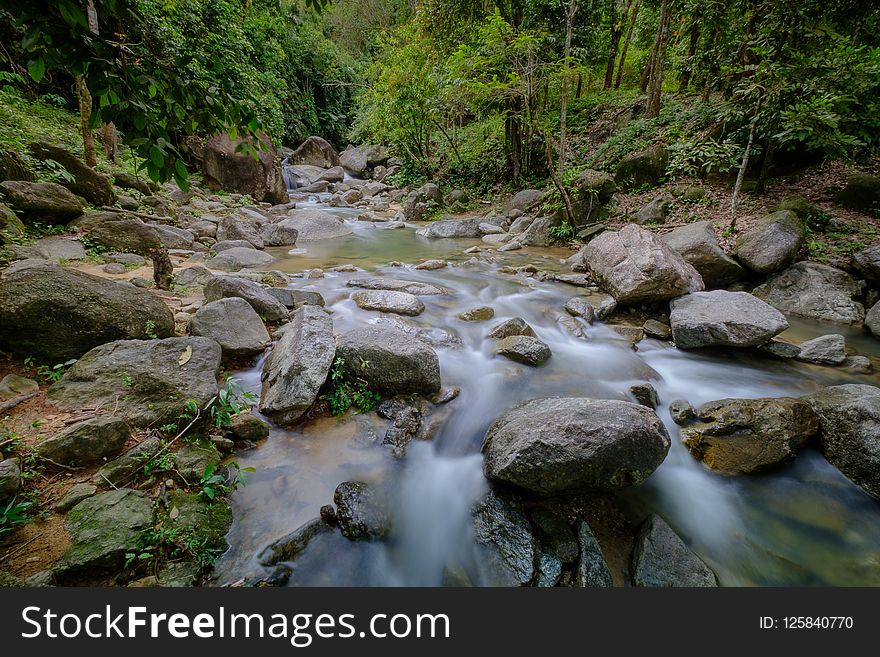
348, 393
696, 159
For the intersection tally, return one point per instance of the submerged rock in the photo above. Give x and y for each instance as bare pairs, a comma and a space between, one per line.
395, 285
388, 301
509, 328
722, 318
662, 559
480, 314
289, 547
361, 511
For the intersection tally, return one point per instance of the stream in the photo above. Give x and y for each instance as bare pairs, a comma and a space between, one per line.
800, 524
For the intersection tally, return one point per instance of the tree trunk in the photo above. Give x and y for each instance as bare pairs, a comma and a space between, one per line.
685, 80
563, 110
765, 165
616, 29
647, 72
629, 34
111, 142
85, 121
656, 84
741, 176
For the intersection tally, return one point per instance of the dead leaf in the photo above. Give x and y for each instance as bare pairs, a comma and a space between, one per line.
185, 356
174, 513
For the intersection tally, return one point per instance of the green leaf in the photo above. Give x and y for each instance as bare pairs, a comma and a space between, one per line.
156, 157
37, 69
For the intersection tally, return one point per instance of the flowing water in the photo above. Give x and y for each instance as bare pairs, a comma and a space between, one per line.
801, 524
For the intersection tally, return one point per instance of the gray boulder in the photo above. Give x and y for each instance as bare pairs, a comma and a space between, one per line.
267, 306
635, 266
773, 244
10, 479
357, 159
391, 361
505, 541
87, 442
298, 365
226, 167
824, 350
592, 570
126, 236
120, 471
661, 559
872, 319
410, 287
523, 349
278, 235
361, 511
238, 258
237, 228
867, 263
41, 203
696, 243
722, 318
815, 291
655, 212
55, 313
388, 301
457, 228
559, 445
146, 381
317, 152
645, 168
593, 191
234, 324
524, 199
92, 185
509, 328
52, 248
313, 225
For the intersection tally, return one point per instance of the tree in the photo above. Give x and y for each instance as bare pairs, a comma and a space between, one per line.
658, 62
626, 41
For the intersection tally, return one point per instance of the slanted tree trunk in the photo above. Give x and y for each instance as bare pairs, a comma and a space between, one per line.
656, 78
741, 176
570, 11
685, 79
616, 30
647, 72
626, 41
765, 165
85, 121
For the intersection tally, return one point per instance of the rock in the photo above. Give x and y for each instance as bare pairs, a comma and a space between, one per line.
592, 570
226, 168
11, 227
593, 191
492, 229
356, 160
816, 291
238, 258
195, 275
537, 234
505, 539
125, 180
298, 366
390, 361
579, 307
235, 228
13, 167
518, 225
296, 298
121, 470
662, 559
87, 442
850, 420
113, 268
361, 511
172, 237
780, 349
76, 494
773, 244
55, 313
388, 301
556, 535
103, 529
317, 152
654, 212
636, 267
646, 168
13, 385
496, 239
41, 203
872, 319
410, 287
862, 192
278, 235
590, 231
128, 235
431, 265
523, 349
867, 263
52, 248
480, 314
645, 394
204, 521
142, 379
289, 547
457, 228
333, 175
192, 459
655, 329
524, 200
10, 479
696, 243
93, 186
722, 318
690, 193
313, 225
267, 307
509, 328
742, 436
811, 214
560, 445
824, 350
226, 245
247, 426
234, 324
549, 570
681, 412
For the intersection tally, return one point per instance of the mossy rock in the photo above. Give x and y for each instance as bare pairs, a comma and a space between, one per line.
194, 458
810, 213
11, 226
646, 168
862, 192
207, 521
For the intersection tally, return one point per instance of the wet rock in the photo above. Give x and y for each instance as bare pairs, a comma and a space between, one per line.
592, 570
697, 245
559, 445
297, 298
361, 511
742, 436
431, 265
313, 225
862, 192
406, 425
815, 291
636, 267
780, 349
41, 203
681, 411
10, 478
850, 419
234, 324
247, 426
510, 328
549, 570
395, 285
192, 460
298, 366
76, 494
56, 313
645, 394
569, 326
872, 319
656, 329
224, 287
436, 337
860, 364
86, 442
144, 380
523, 349
103, 529
390, 361
773, 244
481, 314
722, 318
556, 535
645, 168
579, 307
654, 212
824, 350
578, 280
279, 235
662, 559
289, 547
505, 539
389, 301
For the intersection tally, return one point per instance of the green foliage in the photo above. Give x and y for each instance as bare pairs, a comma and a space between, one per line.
695, 159
150, 329
347, 393
12, 514
45, 373
162, 461
218, 410
215, 484
562, 232
160, 544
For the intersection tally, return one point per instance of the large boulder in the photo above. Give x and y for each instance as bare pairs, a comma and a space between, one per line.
696, 243
227, 167
815, 291
867, 263
457, 228
13, 167
410, 287
298, 365
523, 349
146, 381
234, 324
54, 247
635, 266
233, 227
872, 319
238, 258
10, 478
593, 191
87, 442
773, 244
317, 152
390, 361
742, 436
524, 200
103, 529
560, 445
505, 541
357, 159
646, 168
11, 227
850, 419
267, 306
41, 203
862, 192
55, 313
93, 186
662, 559
126, 236
722, 318
313, 225
389, 301
278, 235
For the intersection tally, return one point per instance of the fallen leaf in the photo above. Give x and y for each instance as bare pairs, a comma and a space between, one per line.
174, 513
185, 356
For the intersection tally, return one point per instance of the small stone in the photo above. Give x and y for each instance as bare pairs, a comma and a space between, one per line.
524, 349
592, 570
579, 307
481, 314
247, 426
779, 349
113, 268
860, 364
431, 265
645, 394
13, 385
74, 496
824, 350
681, 411
656, 329
510, 327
